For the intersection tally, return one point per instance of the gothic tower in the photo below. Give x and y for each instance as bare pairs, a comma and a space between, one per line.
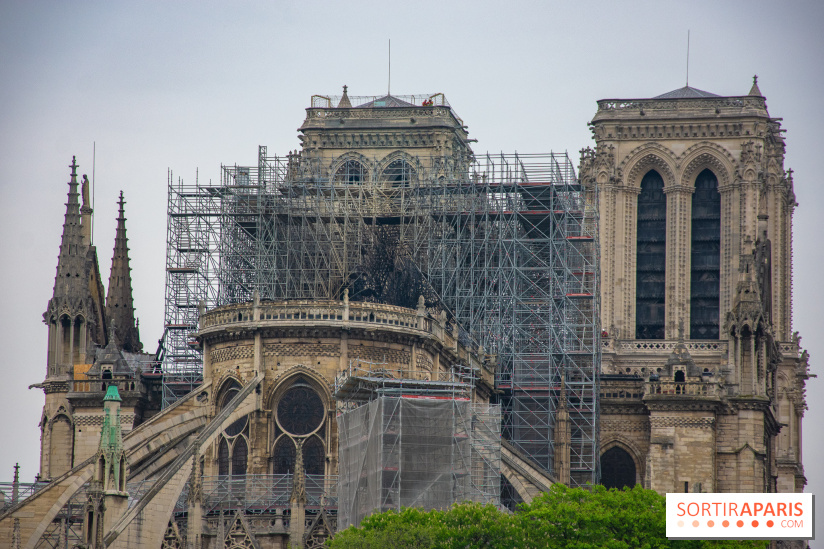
702, 378
76, 319
92, 344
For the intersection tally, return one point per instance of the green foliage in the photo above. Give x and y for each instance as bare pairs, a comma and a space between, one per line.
568, 518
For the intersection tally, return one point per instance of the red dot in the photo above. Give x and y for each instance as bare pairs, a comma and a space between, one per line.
770, 524
695, 523
725, 523
754, 523
740, 523
710, 523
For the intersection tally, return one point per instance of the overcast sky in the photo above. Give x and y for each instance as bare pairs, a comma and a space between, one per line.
191, 85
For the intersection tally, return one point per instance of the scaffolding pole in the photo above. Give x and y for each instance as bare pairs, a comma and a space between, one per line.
507, 244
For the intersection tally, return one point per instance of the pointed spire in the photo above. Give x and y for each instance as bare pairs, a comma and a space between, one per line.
754, 90
110, 452
344, 101
71, 282
119, 302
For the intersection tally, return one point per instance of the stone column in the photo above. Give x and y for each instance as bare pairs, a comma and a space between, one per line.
730, 247
297, 501
194, 517
625, 256
59, 354
69, 369
678, 259
83, 343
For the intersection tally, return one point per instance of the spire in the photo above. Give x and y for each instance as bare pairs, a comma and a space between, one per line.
71, 284
344, 102
110, 451
754, 90
119, 302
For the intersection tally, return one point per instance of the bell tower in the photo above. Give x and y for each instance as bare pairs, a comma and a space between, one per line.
696, 245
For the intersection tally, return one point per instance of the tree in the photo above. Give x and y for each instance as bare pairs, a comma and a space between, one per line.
569, 518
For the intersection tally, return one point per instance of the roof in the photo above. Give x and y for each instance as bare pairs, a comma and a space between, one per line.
685, 93
112, 394
386, 101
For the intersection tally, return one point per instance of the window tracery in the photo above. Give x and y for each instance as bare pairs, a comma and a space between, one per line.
350, 172
705, 258
300, 414
651, 244
399, 173
233, 443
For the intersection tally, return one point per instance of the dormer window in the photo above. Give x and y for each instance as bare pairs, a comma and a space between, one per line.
106, 371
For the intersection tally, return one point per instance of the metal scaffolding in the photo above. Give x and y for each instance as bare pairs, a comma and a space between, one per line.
407, 451
506, 244
215, 254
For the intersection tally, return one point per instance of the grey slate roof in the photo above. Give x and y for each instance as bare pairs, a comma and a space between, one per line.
385, 101
685, 93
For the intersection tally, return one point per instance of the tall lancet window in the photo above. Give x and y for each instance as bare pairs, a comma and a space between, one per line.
706, 257
651, 264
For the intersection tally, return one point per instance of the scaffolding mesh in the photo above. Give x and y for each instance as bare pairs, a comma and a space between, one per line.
506, 243
399, 452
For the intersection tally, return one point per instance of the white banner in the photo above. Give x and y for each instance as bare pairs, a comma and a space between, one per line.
740, 516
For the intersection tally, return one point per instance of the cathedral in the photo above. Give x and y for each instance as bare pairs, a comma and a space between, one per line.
679, 369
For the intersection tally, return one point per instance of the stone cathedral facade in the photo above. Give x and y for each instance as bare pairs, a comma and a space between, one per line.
703, 378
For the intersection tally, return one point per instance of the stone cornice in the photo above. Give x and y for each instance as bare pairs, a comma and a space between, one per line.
706, 107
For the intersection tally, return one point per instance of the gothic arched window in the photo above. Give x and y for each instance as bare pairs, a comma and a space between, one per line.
233, 444
350, 171
300, 416
617, 468
706, 258
399, 174
651, 247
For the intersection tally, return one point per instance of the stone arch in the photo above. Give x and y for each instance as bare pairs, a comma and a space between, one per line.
340, 163
282, 382
311, 437
64, 330
228, 380
61, 444
709, 156
397, 156
649, 157
631, 449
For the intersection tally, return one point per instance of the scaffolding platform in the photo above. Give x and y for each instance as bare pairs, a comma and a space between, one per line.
507, 243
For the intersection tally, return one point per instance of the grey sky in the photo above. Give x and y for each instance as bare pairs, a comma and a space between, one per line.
191, 85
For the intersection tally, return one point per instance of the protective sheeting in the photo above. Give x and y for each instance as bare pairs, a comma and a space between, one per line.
399, 452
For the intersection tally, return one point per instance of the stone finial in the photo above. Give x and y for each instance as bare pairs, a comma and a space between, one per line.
344, 102
256, 297
755, 91
346, 296
299, 479
421, 303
